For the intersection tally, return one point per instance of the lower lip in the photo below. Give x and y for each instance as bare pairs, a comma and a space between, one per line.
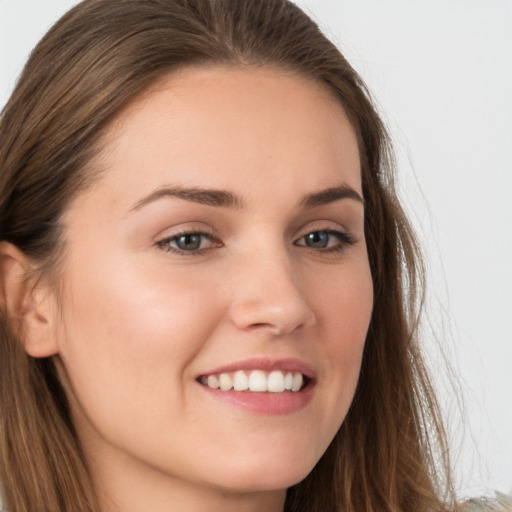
264, 403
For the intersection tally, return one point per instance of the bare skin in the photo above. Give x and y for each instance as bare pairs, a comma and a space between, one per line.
227, 231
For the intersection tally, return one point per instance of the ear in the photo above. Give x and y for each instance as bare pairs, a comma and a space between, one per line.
28, 303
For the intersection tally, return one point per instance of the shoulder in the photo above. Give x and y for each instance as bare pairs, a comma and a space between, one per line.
501, 503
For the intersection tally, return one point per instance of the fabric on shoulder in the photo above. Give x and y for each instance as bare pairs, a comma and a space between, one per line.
501, 503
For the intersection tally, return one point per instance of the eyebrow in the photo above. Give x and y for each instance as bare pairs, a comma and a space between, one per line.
209, 197
226, 199
330, 195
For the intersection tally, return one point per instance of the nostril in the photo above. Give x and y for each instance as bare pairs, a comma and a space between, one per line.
258, 325
275, 328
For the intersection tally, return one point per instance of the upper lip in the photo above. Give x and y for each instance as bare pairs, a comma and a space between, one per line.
266, 364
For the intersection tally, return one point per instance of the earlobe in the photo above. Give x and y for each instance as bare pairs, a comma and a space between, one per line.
28, 304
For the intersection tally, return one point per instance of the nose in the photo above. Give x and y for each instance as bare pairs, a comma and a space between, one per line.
267, 295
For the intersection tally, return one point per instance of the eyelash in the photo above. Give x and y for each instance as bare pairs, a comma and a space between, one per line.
165, 243
344, 239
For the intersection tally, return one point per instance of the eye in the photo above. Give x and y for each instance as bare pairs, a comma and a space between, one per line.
192, 242
326, 240
317, 239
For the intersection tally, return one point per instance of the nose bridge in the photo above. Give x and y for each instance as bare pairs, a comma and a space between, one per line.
268, 293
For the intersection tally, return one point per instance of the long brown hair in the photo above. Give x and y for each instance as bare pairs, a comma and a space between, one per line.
390, 453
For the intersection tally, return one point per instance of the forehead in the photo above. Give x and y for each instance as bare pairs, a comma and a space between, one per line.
227, 127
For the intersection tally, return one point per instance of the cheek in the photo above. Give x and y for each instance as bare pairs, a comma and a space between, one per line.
343, 310
343, 303
128, 330
135, 305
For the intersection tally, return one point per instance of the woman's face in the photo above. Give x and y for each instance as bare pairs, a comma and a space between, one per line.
222, 244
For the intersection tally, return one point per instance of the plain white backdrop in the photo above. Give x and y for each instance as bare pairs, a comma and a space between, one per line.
441, 73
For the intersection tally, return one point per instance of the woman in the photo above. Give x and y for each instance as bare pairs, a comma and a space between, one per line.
209, 289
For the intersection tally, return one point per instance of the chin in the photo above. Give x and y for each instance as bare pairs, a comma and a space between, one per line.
272, 475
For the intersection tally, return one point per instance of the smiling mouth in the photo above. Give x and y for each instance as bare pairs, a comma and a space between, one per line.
256, 381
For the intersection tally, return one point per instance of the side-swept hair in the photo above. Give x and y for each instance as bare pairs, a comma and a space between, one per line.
390, 453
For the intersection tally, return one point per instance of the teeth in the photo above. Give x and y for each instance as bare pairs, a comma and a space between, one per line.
225, 382
288, 381
297, 382
275, 382
256, 381
240, 381
213, 382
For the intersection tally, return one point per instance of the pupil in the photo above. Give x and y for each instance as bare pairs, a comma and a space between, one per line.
189, 242
318, 239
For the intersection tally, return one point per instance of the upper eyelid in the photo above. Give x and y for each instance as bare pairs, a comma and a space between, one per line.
332, 231
166, 244
185, 228
321, 225
213, 239
202, 229
203, 226
173, 236
343, 235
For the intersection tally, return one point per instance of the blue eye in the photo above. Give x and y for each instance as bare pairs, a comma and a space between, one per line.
182, 243
317, 239
189, 242
326, 240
